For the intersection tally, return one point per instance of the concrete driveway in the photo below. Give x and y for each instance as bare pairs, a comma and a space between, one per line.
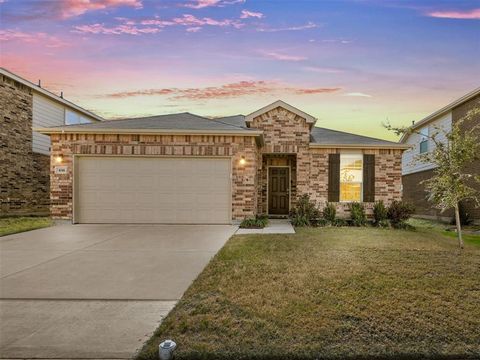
96, 291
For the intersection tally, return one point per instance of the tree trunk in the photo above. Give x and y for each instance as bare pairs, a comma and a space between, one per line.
459, 226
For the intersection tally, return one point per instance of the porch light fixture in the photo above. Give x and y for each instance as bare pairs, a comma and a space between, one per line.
242, 160
59, 159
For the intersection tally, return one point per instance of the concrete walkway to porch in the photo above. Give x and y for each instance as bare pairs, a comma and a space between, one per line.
275, 226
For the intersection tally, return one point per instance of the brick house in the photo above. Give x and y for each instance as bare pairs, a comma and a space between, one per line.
413, 173
24, 153
184, 168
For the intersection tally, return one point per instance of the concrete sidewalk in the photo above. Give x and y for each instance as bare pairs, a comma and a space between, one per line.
275, 226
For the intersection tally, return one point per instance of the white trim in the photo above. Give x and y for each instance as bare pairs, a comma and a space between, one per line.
441, 112
279, 103
75, 170
79, 130
289, 187
359, 146
48, 94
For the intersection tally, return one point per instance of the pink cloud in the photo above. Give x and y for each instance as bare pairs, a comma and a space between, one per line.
231, 90
200, 4
152, 26
309, 25
71, 8
473, 14
284, 57
32, 38
250, 14
115, 30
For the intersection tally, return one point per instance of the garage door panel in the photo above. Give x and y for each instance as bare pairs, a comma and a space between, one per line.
153, 190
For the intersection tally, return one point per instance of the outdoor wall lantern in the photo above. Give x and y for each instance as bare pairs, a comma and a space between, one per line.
242, 160
59, 159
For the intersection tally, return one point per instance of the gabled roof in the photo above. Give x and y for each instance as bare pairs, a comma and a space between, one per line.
49, 94
321, 137
171, 123
442, 111
279, 103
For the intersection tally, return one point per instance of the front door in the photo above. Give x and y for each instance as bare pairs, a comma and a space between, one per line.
278, 190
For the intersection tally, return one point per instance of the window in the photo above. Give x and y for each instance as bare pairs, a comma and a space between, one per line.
351, 177
73, 118
424, 140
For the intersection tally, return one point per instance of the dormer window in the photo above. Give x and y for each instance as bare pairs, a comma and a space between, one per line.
424, 140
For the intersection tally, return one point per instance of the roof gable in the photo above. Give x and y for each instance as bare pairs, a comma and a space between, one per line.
279, 103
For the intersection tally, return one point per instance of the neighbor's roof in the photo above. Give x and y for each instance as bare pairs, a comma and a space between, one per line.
442, 111
327, 138
279, 103
171, 123
49, 94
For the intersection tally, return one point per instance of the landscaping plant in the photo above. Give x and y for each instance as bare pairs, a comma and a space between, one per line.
329, 213
380, 214
357, 214
305, 212
399, 212
454, 180
258, 222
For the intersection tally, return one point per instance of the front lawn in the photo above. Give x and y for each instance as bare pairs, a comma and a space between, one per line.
331, 293
14, 225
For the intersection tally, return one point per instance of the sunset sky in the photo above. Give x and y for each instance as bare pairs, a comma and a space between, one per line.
353, 64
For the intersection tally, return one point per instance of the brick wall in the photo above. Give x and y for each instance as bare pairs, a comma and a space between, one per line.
388, 179
284, 133
244, 178
24, 177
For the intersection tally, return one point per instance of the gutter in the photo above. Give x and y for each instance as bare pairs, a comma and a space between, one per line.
80, 130
359, 146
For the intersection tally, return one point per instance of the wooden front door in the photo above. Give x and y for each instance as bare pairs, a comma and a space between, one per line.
278, 190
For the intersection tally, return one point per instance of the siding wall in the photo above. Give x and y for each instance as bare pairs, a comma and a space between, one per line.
409, 165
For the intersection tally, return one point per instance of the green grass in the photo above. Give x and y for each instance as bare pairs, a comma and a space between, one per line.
331, 293
441, 228
14, 225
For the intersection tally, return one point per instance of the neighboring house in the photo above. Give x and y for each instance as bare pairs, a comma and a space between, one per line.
24, 153
184, 168
415, 172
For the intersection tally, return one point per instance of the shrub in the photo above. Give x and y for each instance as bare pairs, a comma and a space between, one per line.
340, 222
399, 212
380, 214
357, 214
329, 212
258, 222
305, 212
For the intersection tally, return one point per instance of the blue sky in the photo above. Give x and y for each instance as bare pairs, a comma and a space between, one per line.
353, 64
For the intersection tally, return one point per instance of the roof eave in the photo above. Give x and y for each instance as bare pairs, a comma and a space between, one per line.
77, 130
359, 146
433, 116
50, 95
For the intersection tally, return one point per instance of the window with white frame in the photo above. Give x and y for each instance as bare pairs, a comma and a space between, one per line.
424, 140
351, 177
73, 118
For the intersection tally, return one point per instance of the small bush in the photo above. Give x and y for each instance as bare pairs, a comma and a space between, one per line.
305, 212
258, 222
399, 212
380, 214
340, 222
329, 213
357, 214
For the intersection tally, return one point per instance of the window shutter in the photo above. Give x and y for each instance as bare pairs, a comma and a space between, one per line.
368, 178
333, 177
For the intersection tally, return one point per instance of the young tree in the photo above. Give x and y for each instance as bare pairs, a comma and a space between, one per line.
451, 182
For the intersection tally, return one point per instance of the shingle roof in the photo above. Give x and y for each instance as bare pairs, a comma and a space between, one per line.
324, 136
181, 121
236, 120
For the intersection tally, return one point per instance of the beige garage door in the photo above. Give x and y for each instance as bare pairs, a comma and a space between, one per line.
152, 190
